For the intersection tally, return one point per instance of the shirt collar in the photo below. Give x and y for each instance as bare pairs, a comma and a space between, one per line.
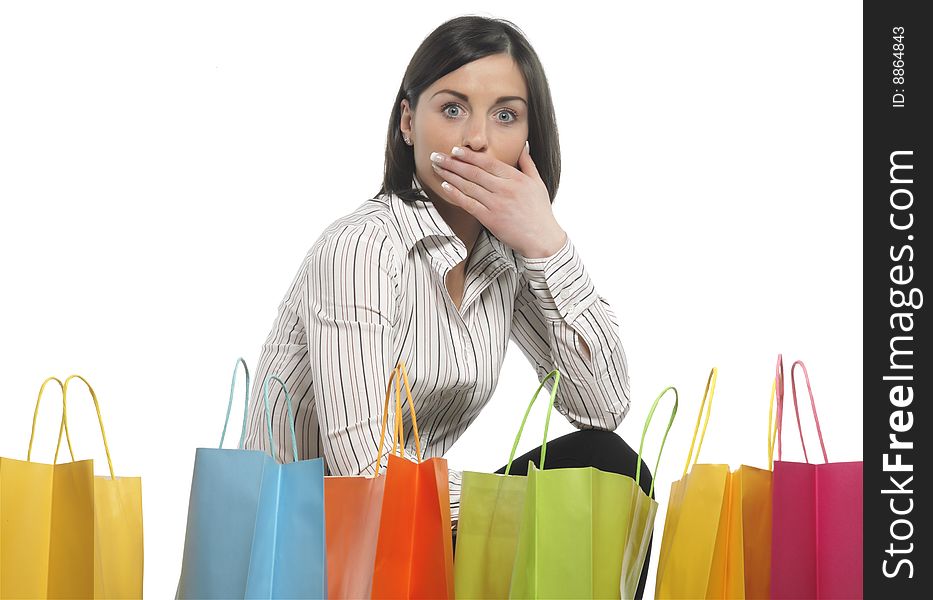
418, 219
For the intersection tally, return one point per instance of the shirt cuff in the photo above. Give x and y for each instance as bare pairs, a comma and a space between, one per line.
560, 283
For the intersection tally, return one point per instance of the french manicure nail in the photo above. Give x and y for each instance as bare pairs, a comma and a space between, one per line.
457, 151
437, 157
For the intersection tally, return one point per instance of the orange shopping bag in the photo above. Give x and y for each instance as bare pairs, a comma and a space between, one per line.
414, 549
352, 509
389, 535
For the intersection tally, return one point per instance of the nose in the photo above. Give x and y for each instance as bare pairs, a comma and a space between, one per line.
474, 135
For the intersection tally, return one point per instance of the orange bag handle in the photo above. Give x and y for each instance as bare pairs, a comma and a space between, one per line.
398, 374
63, 426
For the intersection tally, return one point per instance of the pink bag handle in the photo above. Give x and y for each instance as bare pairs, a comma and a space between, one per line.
816, 418
779, 380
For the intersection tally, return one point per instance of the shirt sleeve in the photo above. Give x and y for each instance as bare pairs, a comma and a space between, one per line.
352, 305
557, 310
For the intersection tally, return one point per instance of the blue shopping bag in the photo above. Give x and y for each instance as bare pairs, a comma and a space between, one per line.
255, 527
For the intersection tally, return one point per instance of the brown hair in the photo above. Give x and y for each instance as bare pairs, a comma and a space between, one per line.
453, 44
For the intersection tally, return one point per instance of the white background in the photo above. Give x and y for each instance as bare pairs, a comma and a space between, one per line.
164, 167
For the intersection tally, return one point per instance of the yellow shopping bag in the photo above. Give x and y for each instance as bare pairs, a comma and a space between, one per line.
65, 533
717, 533
27, 504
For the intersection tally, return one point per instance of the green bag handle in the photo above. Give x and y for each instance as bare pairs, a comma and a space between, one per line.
664, 439
236, 368
556, 375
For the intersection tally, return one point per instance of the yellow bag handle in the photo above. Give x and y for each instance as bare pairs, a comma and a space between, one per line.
776, 403
399, 374
99, 418
707, 394
772, 426
63, 426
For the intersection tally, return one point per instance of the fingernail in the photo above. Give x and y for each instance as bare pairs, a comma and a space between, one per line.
526, 147
445, 185
437, 157
457, 151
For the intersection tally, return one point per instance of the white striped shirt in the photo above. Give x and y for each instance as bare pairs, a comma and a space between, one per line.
371, 291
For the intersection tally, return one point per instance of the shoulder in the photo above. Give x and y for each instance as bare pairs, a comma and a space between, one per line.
366, 238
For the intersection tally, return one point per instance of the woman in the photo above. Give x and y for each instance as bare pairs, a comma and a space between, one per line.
458, 253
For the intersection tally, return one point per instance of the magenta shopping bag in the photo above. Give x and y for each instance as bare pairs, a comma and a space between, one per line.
816, 540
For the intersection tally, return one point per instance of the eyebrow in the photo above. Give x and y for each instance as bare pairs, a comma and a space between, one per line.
465, 98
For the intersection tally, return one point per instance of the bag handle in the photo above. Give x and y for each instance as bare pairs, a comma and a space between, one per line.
385, 420
707, 393
236, 368
291, 416
664, 439
100, 419
816, 418
772, 426
63, 426
556, 375
411, 407
398, 426
398, 375
779, 399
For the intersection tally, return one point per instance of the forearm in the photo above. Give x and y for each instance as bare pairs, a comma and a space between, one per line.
561, 322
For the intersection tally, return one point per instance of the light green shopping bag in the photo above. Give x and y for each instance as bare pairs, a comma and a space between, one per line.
490, 515
584, 532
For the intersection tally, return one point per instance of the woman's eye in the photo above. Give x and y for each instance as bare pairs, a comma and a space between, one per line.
453, 111
511, 116
446, 110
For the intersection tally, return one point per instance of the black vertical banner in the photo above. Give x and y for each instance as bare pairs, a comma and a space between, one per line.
898, 368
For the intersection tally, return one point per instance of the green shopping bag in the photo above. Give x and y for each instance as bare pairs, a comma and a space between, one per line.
490, 515
584, 532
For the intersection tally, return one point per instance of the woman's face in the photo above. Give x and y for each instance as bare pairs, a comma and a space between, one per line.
482, 105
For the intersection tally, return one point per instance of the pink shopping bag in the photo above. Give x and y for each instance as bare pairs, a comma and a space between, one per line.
816, 540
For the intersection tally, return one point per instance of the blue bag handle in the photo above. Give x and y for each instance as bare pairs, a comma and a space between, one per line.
236, 369
291, 416
265, 398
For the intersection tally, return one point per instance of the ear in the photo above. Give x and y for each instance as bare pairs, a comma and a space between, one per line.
405, 118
